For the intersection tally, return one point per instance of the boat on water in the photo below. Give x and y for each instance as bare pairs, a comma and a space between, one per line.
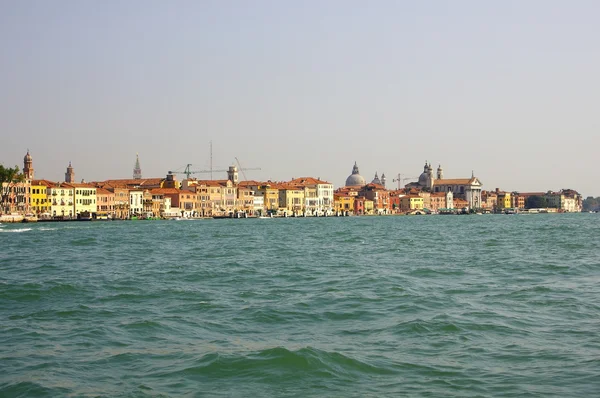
30, 218
84, 216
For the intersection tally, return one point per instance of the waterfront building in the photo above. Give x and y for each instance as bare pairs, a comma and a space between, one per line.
105, 203
461, 204
318, 195
411, 202
245, 199
565, 200
503, 200
205, 205
369, 207
517, 201
147, 203
270, 193
489, 200
258, 205
379, 196
164, 200
189, 203
84, 198
229, 194
40, 200
136, 202
15, 197
121, 202
258, 190
216, 197
15, 194
61, 197
359, 205
395, 197
437, 201
468, 189
426, 195
344, 203
291, 199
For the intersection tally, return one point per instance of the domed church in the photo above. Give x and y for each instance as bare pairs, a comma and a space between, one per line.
468, 189
355, 179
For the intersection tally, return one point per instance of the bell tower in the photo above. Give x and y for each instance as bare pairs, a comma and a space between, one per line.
28, 166
137, 170
70, 174
232, 175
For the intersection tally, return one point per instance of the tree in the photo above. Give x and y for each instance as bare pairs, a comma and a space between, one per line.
8, 176
591, 204
536, 202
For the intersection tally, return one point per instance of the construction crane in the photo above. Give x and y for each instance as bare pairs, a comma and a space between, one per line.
400, 180
187, 171
242, 169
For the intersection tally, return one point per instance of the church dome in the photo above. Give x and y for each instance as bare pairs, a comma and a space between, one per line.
423, 179
27, 157
355, 178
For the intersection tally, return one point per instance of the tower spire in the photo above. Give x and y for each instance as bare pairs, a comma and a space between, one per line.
137, 170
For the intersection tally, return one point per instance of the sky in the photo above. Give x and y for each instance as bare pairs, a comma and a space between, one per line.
507, 90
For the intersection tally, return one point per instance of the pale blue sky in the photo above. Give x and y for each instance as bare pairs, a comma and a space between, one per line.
509, 89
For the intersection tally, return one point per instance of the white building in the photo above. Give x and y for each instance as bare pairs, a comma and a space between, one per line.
136, 202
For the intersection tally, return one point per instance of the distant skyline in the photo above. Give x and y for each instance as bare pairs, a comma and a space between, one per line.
506, 89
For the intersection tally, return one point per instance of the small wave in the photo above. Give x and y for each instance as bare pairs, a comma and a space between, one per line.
281, 363
421, 326
144, 325
30, 389
83, 242
16, 230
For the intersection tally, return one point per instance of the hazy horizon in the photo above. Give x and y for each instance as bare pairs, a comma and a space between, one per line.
507, 90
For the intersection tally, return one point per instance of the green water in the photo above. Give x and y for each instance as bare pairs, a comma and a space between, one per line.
435, 306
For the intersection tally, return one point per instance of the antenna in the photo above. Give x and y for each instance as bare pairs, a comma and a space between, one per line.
211, 163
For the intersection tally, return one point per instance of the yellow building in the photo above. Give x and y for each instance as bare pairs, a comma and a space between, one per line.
39, 200
343, 204
84, 199
271, 197
61, 200
503, 201
369, 206
291, 199
411, 202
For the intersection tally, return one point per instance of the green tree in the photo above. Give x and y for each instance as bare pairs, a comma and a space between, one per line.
536, 202
8, 176
591, 204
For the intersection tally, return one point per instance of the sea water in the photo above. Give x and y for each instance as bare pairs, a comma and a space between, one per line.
440, 306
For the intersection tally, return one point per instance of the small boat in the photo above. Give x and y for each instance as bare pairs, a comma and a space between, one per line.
84, 216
